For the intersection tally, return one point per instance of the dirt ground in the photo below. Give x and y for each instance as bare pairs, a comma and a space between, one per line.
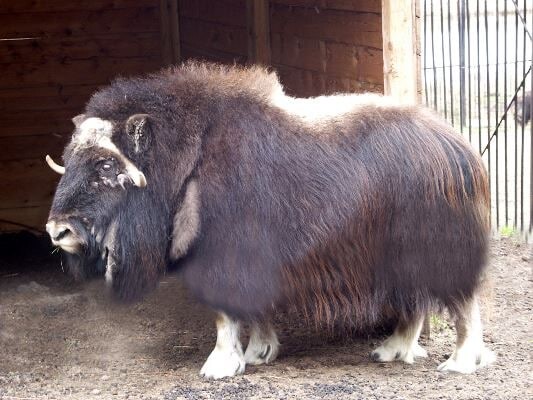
63, 340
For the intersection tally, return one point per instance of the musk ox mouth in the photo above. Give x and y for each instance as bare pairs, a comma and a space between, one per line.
64, 236
88, 250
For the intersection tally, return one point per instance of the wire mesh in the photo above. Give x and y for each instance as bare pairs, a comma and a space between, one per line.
477, 73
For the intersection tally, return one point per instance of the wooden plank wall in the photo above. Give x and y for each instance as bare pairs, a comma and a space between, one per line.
326, 46
213, 30
317, 46
53, 55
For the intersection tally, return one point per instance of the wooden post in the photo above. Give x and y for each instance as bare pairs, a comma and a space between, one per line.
170, 36
401, 60
258, 21
175, 31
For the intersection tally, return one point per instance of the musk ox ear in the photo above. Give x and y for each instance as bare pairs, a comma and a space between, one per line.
138, 128
78, 119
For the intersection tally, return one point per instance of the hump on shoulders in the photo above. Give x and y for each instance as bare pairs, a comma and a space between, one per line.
262, 84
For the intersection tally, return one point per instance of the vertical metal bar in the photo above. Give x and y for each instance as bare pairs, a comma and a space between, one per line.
506, 160
478, 76
469, 71
462, 78
515, 124
452, 111
443, 58
488, 95
433, 59
424, 53
496, 114
531, 140
523, 122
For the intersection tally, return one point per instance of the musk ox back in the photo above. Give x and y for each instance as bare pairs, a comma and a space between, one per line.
347, 208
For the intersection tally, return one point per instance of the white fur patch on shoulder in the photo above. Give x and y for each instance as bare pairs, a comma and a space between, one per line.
186, 222
319, 108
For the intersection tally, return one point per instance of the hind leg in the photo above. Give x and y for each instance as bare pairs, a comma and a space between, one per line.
263, 345
403, 344
470, 352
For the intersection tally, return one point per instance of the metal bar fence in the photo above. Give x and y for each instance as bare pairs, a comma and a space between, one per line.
477, 72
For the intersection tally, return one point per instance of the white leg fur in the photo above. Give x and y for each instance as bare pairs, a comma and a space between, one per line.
402, 345
263, 346
226, 359
470, 353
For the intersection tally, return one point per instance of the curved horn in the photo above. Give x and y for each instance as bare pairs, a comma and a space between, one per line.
137, 176
56, 167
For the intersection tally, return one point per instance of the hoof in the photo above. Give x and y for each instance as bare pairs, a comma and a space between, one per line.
419, 351
390, 351
221, 364
467, 364
261, 353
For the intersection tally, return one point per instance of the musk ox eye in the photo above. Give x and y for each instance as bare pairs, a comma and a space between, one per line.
105, 164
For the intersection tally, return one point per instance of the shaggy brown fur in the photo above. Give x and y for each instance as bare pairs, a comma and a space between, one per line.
342, 215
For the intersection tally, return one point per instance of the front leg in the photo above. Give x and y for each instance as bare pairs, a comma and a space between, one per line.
227, 358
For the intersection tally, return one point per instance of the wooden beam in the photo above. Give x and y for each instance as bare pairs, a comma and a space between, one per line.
24, 218
175, 31
169, 27
258, 24
166, 45
401, 62
400, 59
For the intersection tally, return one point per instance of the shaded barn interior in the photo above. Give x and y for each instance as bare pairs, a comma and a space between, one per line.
54, 54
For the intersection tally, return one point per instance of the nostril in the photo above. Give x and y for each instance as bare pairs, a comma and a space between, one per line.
58, 231
62, 234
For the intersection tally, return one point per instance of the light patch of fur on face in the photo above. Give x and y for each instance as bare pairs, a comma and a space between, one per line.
186, 222
92, 129
98, 132
227, 358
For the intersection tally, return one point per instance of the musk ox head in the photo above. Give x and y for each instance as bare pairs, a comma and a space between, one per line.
104, 215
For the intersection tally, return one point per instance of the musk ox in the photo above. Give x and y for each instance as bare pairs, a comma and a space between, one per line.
524, 107
347, 208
